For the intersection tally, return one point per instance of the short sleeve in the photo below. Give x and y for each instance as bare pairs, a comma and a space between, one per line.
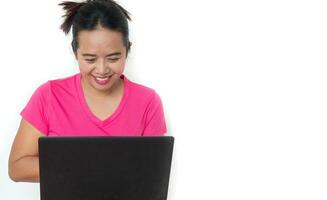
36, 110
155, 124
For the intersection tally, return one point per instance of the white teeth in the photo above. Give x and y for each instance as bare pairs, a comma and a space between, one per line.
102, 79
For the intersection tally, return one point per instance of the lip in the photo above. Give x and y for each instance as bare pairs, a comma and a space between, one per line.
104, 82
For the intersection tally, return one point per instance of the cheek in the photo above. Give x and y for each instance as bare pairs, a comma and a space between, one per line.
84, 69
118, 67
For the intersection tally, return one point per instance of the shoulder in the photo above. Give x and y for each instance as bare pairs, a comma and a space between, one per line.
57, 87
66, 83
42, 90
142, 92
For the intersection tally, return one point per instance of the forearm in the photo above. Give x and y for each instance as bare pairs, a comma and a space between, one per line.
25, 169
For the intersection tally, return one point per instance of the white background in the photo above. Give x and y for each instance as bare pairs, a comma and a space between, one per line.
243, 85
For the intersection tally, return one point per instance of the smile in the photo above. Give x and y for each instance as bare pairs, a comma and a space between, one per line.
102, 80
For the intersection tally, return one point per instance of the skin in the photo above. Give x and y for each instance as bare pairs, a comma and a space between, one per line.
102, 100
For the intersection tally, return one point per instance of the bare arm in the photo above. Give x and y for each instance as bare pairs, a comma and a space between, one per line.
23, 162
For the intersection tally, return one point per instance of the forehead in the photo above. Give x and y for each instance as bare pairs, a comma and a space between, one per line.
100, 39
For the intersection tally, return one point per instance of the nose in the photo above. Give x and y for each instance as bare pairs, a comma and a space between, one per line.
102, 67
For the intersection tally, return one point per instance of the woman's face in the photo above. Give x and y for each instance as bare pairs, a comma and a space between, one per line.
101, 56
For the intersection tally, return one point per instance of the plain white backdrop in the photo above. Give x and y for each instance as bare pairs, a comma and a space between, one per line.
243, 85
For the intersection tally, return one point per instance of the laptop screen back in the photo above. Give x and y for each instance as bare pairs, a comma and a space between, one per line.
105, 168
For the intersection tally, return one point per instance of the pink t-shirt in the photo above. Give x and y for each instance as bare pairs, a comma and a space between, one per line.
58, 108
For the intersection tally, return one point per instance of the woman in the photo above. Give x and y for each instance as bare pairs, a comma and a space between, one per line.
98, 101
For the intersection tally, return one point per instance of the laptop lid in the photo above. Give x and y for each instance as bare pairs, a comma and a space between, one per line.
105, 168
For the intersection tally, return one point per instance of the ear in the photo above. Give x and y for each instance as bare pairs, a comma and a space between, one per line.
128, 48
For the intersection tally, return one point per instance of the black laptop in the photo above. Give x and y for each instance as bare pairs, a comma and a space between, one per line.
105, 168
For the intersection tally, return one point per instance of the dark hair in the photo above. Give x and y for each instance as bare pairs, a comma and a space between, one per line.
89, 14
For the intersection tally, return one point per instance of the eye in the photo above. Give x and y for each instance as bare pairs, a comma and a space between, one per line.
90, 60
113, 59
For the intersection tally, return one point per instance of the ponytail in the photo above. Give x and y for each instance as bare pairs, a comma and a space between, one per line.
71, 9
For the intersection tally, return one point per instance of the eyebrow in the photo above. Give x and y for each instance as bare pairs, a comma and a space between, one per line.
112, 54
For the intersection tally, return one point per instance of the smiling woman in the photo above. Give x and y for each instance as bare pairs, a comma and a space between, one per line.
99, 100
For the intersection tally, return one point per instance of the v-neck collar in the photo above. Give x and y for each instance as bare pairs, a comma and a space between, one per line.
86, 108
